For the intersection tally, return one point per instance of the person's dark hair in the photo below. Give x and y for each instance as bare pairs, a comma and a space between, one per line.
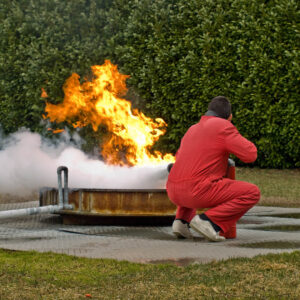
221, 106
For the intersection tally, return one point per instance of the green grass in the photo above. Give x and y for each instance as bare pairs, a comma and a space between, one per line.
31, 275
278, 187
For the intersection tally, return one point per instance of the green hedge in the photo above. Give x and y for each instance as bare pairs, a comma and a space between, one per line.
180, 54
183, 53
42, 43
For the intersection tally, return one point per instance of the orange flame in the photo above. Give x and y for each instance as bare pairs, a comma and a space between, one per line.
56, 130
131, 133
44, 93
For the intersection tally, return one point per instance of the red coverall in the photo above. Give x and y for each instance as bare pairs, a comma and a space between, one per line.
197, 178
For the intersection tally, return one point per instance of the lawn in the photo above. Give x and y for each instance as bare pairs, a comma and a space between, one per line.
278, 187
32, 275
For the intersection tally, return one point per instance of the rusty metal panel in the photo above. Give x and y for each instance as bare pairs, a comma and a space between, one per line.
85, 202
48, 196
134, 203
115, 202
74, 199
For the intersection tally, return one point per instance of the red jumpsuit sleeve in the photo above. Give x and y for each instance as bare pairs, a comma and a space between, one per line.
236, 144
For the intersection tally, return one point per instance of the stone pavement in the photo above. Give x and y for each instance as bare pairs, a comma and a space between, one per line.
262, 230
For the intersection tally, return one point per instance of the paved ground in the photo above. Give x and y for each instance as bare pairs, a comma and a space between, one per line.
151, 244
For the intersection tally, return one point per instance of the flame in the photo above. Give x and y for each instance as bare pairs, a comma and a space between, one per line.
44, 93
56, 130
131, 134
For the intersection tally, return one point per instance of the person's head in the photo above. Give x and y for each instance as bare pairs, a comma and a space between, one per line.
221, 106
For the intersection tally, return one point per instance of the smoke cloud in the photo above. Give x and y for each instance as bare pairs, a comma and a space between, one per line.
29, 162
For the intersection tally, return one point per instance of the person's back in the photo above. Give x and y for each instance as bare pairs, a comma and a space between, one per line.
202, 152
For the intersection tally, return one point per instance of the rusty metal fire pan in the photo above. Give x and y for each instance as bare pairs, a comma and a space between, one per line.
114, 206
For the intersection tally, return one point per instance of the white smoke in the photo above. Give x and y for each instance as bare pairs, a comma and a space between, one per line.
29, 162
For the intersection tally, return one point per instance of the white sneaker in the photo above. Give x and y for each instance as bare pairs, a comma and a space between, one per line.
181, 230
206, 229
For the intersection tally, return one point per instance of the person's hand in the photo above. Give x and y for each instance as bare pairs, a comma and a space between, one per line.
169, 167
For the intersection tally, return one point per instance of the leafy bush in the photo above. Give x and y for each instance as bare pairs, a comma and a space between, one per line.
42, 43
179, 53
183, 53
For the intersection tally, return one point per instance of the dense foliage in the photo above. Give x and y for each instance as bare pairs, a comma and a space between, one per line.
179, 53
42, 43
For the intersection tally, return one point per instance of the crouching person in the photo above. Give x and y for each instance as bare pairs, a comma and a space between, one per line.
197, 178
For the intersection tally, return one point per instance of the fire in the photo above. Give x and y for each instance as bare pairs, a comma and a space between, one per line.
131, 134
56, 130
44, 93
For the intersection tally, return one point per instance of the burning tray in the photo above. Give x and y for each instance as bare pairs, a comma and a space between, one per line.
113, 206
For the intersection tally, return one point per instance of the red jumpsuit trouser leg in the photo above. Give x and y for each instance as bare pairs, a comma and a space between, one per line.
228, 200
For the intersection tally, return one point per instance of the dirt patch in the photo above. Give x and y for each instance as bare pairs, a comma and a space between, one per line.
271, 245
279, 228
181, 262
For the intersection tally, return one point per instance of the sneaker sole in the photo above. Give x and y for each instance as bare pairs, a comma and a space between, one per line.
180, 236
205, 234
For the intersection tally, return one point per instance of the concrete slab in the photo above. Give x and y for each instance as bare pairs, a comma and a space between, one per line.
150, 244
